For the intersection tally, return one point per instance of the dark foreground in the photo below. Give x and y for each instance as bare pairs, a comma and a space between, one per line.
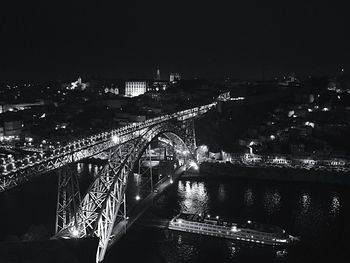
53, 251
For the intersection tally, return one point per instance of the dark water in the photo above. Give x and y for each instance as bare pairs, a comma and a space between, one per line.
319, 214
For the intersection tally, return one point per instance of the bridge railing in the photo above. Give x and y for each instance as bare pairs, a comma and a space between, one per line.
12, 165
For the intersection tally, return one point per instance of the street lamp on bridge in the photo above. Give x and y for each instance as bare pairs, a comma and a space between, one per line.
115, 139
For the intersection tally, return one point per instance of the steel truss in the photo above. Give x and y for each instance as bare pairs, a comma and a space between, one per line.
104, 204
190, 136
52, 163
68, 198
148, 170
18, 171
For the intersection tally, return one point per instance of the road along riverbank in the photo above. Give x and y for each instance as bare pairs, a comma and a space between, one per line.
215, 170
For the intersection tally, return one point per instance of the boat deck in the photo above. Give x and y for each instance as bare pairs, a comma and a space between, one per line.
255, 226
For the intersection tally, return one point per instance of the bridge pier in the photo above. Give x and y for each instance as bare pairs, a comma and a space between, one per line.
147, 169
190, 135
68, 197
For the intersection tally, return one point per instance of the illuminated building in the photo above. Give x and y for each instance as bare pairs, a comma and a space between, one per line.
135, 88
20, 106
112, 90
10, 127
159, 85
174, 77
78, 84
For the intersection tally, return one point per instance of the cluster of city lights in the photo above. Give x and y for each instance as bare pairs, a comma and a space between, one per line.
194, 165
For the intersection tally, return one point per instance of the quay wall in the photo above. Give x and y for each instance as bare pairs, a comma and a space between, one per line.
215, 170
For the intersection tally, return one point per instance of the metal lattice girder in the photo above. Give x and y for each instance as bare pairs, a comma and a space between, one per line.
23, 174
190, 138
176, 136
133, 158
15, 173
179, 142
148, 169
101, 196
102, 204
68, 198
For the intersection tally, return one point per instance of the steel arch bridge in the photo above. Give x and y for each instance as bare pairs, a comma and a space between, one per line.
101, 212
104, 205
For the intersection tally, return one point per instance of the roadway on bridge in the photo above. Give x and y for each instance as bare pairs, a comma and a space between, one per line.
146, 203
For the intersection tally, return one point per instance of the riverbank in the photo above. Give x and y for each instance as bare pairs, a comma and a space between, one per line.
214, 170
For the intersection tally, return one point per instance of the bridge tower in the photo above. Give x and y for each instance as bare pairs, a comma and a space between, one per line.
190, 135
68, 197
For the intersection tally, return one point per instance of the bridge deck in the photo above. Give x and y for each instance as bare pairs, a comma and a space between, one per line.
14, 172
120, 229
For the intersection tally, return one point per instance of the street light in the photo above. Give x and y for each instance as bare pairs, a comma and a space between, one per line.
137, 198
204, 148
75, 232
115, 139
194, 165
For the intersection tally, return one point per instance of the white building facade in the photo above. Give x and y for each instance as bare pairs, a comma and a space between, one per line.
135, 88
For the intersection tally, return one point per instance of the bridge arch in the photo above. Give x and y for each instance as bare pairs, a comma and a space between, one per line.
101, 209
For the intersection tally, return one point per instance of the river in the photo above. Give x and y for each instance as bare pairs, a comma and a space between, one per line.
317, 213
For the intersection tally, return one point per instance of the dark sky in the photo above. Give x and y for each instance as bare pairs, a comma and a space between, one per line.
246, 39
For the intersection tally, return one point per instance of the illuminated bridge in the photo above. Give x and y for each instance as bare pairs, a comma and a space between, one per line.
102, 211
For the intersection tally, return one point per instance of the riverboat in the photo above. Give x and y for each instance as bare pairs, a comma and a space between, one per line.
248, 231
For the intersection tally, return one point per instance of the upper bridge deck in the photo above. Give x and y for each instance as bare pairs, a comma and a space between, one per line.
12, 170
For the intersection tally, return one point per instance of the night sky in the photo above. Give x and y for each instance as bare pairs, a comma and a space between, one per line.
56, 40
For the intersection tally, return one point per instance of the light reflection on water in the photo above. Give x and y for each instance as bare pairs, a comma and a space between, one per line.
335, 206
272, 202
233, 250
305, 202
193, 196
88, 170
319, 214
310, 212
249, 197
305, 214
221, 193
